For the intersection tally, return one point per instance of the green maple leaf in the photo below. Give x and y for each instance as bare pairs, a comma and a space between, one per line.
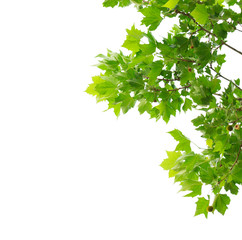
237, 174
133, 39
207, 174
91, 88
231, 186
184, 142
144, 106
126, 102
155, 71
170, 162
203, 52
221, 202
165, 110
202, 205
187, 105
198, 120
152, 17
195, 187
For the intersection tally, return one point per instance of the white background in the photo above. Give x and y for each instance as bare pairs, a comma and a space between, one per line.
68, 170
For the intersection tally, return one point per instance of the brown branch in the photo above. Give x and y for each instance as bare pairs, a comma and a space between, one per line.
164, 79
204, 29
226, 78
220, 45
185, 60
168, 80
193, 19
227, 45
233, 26
176, 89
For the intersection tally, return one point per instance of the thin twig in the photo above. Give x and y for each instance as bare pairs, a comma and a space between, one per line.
210, 33
164, 79
232, 47
226, 78
171, 90
176, 89
168, 80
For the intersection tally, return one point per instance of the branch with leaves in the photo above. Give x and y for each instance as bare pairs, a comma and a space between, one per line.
180, 73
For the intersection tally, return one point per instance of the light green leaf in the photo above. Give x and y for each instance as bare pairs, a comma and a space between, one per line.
187, 105
200, 14
218, 147
91, 88
166, 110
171, 4
152, 17
113, 3
133, 39
191, 185
202, 205
209, 142
144, 106
170, 162
221, 202
184, 142
155, 71
110, 3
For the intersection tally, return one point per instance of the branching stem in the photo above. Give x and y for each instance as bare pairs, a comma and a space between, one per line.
210, 33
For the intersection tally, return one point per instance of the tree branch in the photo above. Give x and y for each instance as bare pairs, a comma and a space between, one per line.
227, 45
164, 79
204, 29
176, 89
171, 90
168, 80
226, 78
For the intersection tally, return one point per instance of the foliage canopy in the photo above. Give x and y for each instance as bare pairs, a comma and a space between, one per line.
180, 73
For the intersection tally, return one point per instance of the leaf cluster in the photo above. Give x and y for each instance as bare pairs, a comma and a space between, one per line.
180, 73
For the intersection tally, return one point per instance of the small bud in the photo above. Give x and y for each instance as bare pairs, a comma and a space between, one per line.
237, 127
191, 46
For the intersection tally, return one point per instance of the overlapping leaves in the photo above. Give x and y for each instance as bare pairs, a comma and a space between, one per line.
182, 72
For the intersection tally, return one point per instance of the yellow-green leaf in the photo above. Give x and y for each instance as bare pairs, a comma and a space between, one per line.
169, 162
171, 4
209, 142
200, 14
